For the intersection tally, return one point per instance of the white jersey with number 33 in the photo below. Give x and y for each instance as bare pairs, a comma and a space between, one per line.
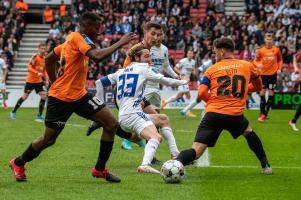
130, 84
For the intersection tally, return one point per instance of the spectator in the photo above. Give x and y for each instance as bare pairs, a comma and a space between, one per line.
63, 9
48, 15
22, 7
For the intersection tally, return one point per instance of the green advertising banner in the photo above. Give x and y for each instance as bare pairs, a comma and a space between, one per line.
287, 100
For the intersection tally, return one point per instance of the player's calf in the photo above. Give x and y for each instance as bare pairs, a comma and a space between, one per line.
256, 146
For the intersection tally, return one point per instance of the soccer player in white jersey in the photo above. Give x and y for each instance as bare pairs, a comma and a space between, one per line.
130, 83
160, 63
3, 73
185, 68
186, 112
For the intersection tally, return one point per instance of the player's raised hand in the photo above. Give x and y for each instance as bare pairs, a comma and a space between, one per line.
126, 38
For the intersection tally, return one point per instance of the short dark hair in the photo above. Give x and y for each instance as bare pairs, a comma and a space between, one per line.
151, 24
224, 43
89, 17
269, 34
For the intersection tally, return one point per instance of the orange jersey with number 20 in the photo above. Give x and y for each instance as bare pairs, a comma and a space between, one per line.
228, 82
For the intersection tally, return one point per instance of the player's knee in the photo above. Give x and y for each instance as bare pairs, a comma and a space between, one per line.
111, 127
248, 131
157, 137
164, 120
43, 96
25, 96
271, 92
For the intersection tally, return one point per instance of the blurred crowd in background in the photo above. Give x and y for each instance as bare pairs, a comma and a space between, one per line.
189, 24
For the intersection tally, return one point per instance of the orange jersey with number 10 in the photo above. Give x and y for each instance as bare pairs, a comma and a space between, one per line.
228, 82
72, 75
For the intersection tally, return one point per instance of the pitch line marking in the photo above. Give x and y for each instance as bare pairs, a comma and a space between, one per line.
252, 166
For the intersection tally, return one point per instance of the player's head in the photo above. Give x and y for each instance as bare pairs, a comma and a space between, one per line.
190, 54
160, 38
90, 24
269, 39
152, 31
139, 54
42, 49
223, 48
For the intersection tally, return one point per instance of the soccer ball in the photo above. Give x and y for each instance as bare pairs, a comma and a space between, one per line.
172, 171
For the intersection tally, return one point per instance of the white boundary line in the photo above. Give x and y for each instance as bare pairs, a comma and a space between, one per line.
251, 166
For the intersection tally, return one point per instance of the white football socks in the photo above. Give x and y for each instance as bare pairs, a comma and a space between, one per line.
169, 137
150, 151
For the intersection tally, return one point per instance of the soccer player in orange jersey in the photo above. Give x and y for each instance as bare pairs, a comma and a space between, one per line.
67, 95
228, 81
293, 122
36, 79
271, 62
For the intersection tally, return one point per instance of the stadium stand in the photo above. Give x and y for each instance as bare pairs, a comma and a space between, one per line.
190, 24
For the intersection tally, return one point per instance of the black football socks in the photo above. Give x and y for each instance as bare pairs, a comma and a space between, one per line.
27, 156
256, 146
105, 150
187, 156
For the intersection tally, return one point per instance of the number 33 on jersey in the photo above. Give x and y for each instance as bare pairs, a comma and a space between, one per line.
228, 82
130, 85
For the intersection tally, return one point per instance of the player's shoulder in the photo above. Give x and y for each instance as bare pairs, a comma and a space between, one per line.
76, 36
163, 47
137, 67
183, 60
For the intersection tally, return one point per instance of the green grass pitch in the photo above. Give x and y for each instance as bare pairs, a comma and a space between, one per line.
63, 170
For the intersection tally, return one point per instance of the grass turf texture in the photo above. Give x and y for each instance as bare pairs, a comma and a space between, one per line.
63, 170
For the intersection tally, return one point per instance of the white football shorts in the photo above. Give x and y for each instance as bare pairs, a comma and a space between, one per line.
135, 122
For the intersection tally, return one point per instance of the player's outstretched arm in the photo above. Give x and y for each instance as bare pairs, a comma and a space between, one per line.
172, 82
50, 61
97, 54
255, 85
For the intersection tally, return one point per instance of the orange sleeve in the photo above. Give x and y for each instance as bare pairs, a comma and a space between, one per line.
255, 85
279, 59
32, 69
57, 50
127, 62
254, 71
203, 93
258, 56
32, 63
81, 43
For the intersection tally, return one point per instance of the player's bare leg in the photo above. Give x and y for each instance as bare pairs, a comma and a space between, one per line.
189, 155
18, 104
172, 99
270, 102
154, 138
110, 125
293, 122
43, 96
3, 92
33, 151
162, 121
262, 116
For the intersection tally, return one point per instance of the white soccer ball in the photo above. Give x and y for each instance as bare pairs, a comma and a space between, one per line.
172, 171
